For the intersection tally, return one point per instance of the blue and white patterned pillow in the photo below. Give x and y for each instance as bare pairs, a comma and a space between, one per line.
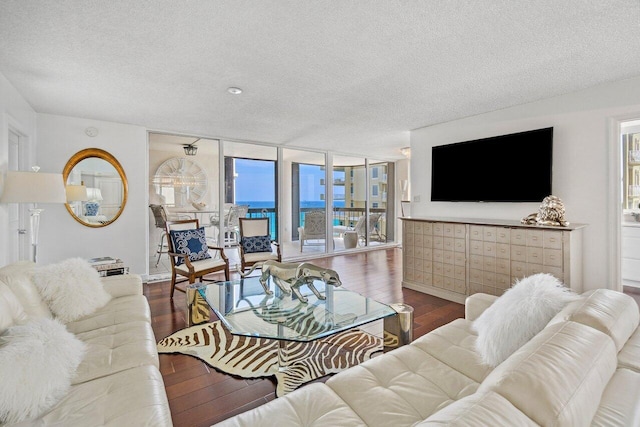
190, 242
256, 244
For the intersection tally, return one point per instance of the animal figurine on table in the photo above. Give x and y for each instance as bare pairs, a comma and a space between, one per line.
283, 273
551, 212
289, 277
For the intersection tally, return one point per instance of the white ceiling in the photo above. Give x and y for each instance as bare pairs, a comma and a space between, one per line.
349, 76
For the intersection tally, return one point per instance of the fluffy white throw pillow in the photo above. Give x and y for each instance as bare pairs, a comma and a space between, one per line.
71, 288
518, 315
37, 363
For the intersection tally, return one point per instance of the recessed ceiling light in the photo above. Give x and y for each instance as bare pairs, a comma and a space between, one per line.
234, 90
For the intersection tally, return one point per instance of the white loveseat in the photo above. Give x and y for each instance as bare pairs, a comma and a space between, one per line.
582, 369
118, 382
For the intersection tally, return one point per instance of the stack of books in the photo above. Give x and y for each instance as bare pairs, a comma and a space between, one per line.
108, 266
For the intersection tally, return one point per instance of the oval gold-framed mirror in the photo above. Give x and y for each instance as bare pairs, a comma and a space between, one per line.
97, 187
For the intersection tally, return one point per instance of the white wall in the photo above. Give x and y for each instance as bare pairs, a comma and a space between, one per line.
61, 236
17, 114
581, 165
403, 168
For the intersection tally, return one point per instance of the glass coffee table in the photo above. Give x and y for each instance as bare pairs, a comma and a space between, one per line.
244, 309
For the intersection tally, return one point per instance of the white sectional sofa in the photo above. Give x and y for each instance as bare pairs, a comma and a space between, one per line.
582, 369
118, 382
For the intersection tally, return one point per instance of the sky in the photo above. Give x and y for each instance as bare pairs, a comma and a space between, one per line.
255, 181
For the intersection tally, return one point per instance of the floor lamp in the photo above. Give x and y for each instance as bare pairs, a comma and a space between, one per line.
33, 187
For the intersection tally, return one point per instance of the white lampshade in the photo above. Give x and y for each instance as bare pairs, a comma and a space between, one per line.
33, 187
76, 193
94, 194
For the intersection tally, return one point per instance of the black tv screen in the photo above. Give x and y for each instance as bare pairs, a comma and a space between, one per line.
508, 168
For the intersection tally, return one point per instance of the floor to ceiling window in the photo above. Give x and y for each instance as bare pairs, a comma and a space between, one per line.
381, 200
312, 210
305, 172
350, 201
250, 173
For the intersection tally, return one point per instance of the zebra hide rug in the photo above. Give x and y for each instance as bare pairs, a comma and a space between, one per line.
251, 357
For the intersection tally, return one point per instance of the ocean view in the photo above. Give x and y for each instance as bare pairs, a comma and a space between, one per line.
304, 204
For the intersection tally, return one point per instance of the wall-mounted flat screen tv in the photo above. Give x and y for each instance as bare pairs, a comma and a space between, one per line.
507, 168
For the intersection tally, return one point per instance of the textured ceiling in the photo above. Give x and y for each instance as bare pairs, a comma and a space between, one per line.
350, 76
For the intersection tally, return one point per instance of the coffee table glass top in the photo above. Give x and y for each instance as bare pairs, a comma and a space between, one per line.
245, 309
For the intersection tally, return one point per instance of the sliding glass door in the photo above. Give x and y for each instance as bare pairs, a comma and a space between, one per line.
349, 202
317, 202
251, 181
305, 173
381, 200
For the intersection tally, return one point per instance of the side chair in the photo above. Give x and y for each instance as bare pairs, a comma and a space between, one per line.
314, 229
361, 229
230, 223
190, 255
161, 217
256, 245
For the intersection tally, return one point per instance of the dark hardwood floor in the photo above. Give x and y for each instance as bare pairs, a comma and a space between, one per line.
200, 396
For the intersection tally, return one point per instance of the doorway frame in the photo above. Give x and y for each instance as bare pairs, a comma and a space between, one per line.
614, 124
26, 157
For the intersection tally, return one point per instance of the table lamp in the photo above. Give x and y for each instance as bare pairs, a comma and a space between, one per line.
76, 193
33, 187
94, 196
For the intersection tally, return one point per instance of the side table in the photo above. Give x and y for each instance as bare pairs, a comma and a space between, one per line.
398, 329
350, 239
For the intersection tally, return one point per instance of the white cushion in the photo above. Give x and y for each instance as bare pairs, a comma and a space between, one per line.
11, 311
260, 256
407, 385
558, 377
629, 355
121, 310
135, 397
37, 362
116, 348
454, 344
619, 403
122, 285
72, 288
606, 310
476, 304
479, 409
204, 264
17, 277
518, 315
311, 405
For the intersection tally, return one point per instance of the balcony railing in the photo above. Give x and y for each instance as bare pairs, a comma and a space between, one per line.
341, 216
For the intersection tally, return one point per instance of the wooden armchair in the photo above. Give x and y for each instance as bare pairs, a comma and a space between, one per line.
190, 255
256, 245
